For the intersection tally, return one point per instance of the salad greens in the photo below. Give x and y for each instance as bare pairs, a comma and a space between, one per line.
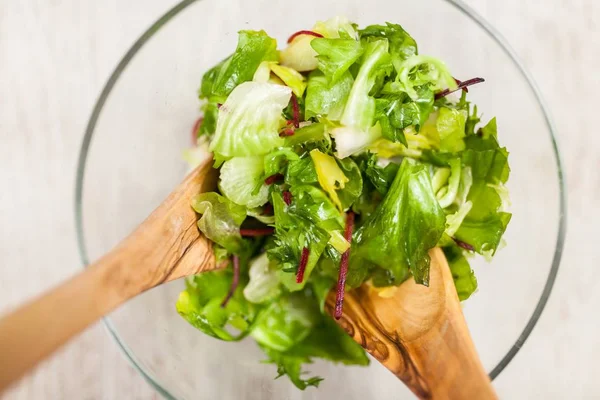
343, 160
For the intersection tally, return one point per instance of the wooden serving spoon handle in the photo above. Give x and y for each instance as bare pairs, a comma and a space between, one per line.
419, 333
166, 246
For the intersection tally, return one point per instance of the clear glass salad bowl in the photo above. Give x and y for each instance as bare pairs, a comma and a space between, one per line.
132, 157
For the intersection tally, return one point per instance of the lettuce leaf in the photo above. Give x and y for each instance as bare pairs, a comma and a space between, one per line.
200, 305
358, 119
349, 141
485, 224
301, 171
450, 126
242, 181
221, 220
309, 222
276, 161
285, 322
300, 55
336, 27
335, 56
323, 99
291, 365
313, 205
353, 188
380, 177
208, 80
402, 45
419, 70
447, 194
313, 134
208, 126
249, 121
263, 284
325, 340
295, 228
396, 237
328, 341
462, 274
253, 48
398, 111
484, 234
360, 108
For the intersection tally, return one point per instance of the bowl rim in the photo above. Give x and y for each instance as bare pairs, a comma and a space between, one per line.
458, 4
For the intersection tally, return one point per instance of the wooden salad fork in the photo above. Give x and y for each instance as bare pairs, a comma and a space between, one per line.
419, 333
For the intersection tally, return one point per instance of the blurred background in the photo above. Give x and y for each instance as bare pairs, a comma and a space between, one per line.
55, 57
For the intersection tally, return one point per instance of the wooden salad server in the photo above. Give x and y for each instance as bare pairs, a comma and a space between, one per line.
419, 333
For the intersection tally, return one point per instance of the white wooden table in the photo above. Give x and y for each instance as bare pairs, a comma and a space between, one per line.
56, 55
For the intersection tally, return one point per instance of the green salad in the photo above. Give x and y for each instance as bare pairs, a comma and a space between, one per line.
344, 158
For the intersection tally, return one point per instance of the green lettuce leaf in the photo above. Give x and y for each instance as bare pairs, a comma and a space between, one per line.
358, 119
208, 126
380, 177
200, 305
242, 181
291, 366
221, 220
325, 340
253, 48
353, 188
402, 111
259, 214
370, 196
485, 224
310, 219
322, 285
446, 195
397, 236
308, 135
312, 204
286, 321
419, 70
450, 125
301, 171
277, 161
335, 56
360, 108
208, 80
323, 99
462, 274
328, 341
455, 219
484, 234
402, 45
294, 230
263, 285
248, 123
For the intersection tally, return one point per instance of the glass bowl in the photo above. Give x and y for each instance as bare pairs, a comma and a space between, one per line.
131, 159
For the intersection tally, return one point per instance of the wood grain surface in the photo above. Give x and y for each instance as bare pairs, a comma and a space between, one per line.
420, 334
56, 55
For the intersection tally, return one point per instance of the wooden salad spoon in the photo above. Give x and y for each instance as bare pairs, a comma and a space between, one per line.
419, 333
